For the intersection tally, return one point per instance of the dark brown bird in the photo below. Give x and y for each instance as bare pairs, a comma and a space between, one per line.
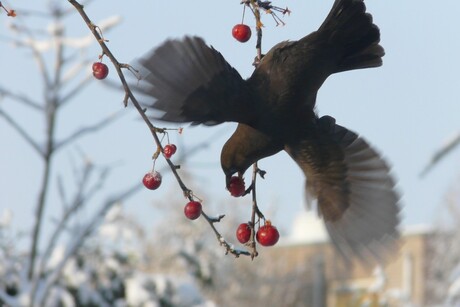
191, 82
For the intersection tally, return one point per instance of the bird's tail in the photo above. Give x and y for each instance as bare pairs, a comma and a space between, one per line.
354, 35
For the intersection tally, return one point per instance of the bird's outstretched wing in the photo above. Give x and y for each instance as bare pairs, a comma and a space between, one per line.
354, 189
191, 82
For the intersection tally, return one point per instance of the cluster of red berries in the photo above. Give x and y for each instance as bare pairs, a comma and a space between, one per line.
267, 235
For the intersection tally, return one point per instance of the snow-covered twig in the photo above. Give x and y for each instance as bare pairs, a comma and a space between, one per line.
78, 240
79, 199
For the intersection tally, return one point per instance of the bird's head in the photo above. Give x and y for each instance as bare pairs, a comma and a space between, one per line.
237, 154
245, 147
233, 161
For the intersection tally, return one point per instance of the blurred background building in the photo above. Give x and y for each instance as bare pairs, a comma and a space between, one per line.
334, 283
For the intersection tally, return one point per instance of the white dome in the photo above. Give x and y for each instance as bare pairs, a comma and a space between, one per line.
307, 228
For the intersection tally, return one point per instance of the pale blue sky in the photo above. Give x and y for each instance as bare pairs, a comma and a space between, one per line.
406, 108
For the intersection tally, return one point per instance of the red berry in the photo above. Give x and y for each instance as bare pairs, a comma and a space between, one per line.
192, 210
152, 180
236, 186
243, 233
241, 32
100, 70
267, 235
169, 150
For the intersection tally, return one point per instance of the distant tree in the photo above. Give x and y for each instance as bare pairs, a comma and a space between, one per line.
71, 266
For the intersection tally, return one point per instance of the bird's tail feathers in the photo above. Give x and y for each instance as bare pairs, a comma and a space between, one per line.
352, 31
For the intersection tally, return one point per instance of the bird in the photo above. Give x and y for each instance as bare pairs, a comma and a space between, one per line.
185, 80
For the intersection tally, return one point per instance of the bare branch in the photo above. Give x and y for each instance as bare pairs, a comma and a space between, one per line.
29, 140
77, 88
37, 57
62, 193
21, 98
441, 153
39, 213
86, 130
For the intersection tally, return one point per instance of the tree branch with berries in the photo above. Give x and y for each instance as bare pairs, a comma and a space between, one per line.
152, 180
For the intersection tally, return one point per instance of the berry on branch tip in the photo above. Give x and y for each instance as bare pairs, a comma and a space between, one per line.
152, 180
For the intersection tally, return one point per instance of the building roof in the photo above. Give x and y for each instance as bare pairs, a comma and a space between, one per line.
308, 228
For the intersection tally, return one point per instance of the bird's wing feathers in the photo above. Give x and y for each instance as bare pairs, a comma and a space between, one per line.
191, 82
355, 191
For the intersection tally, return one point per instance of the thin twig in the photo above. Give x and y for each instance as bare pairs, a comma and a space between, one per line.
22, 132
21, 98
51, 107
57, 231
76, 89
228, 247
86, 130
